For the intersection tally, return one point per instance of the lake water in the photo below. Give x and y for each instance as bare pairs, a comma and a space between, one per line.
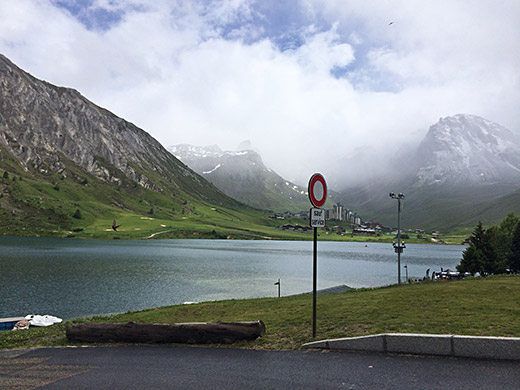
71, 278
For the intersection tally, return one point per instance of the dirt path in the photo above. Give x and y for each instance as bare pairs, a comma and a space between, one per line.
154, 234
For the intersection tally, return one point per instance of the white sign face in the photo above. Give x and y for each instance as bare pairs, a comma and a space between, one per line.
317, 218
317, 190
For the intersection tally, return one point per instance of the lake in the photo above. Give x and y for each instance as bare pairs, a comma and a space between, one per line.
70, 278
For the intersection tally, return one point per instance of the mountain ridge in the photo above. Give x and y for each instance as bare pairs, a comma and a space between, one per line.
71, 167
53, 137
467, 149
460, 172
39, 119
242, 175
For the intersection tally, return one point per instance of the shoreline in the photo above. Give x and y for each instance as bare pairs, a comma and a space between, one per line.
234, 237
469, 308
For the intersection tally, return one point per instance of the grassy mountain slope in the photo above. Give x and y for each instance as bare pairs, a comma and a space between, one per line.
31, 206
493, 211
69, 167
432, 207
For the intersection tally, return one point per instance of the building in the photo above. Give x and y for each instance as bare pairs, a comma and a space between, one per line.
364, 231
339, 212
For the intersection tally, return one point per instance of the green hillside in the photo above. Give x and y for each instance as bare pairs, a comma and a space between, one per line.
80, 205
434, 207
83, 206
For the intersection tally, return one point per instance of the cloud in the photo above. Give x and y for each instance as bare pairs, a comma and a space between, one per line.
308, 82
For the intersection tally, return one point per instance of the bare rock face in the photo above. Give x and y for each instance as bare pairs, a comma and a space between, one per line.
46, 128
467, 149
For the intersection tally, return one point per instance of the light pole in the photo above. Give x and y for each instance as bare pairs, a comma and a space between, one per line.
398, 248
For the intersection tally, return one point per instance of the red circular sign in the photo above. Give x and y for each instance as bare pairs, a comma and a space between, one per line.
317, 181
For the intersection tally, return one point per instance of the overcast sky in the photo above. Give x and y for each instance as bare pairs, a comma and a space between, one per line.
307, 82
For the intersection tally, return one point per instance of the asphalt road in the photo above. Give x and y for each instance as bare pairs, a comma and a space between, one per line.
152, 367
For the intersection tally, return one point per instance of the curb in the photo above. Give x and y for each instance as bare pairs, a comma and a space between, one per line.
502, 348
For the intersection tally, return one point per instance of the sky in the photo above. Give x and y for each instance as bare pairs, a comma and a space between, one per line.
311, 83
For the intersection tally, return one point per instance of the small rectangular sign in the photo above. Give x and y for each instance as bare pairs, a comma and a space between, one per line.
317, 217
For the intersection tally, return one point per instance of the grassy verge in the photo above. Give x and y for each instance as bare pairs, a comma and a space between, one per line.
479, 307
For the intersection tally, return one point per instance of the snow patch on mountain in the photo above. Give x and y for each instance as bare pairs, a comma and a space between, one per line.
185, 151
213, 170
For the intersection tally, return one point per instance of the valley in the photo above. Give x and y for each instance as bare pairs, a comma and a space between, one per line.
70, 168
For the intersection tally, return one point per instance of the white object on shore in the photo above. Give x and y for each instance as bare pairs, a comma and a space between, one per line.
46, 320
21, 325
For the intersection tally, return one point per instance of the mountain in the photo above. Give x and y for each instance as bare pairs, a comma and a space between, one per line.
466, 168
468, 150
63, 156
45, 127
242, 175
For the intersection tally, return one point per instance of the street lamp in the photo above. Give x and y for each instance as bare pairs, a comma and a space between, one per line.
398, 248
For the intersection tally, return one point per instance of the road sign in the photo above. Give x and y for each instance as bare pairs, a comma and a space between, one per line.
317, 218
317, 196
317, 190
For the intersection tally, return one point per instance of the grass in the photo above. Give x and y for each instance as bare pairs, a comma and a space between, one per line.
477, 307
45, 205
30, 207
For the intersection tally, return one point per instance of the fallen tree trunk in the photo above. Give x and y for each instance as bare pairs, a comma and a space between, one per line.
184, 333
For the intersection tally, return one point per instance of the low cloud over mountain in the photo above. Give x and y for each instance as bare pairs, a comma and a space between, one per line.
465, 168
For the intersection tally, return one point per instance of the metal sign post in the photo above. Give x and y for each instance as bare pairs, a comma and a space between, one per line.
399, 247
317, 196
314, 281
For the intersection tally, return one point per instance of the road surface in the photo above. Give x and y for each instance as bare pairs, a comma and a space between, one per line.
158, 367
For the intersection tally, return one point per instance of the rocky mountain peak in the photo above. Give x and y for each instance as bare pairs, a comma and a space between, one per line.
207, 160
187, 151
467, 149
190, 153
245, 145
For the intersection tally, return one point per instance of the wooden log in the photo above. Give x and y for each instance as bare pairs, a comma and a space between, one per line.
184, 333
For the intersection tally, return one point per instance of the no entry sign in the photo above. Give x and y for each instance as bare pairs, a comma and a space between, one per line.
317, 196
317, 190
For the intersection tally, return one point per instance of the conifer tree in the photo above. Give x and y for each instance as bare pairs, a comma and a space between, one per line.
473, 257
493, 260
495, 250
471, 260
514, 254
